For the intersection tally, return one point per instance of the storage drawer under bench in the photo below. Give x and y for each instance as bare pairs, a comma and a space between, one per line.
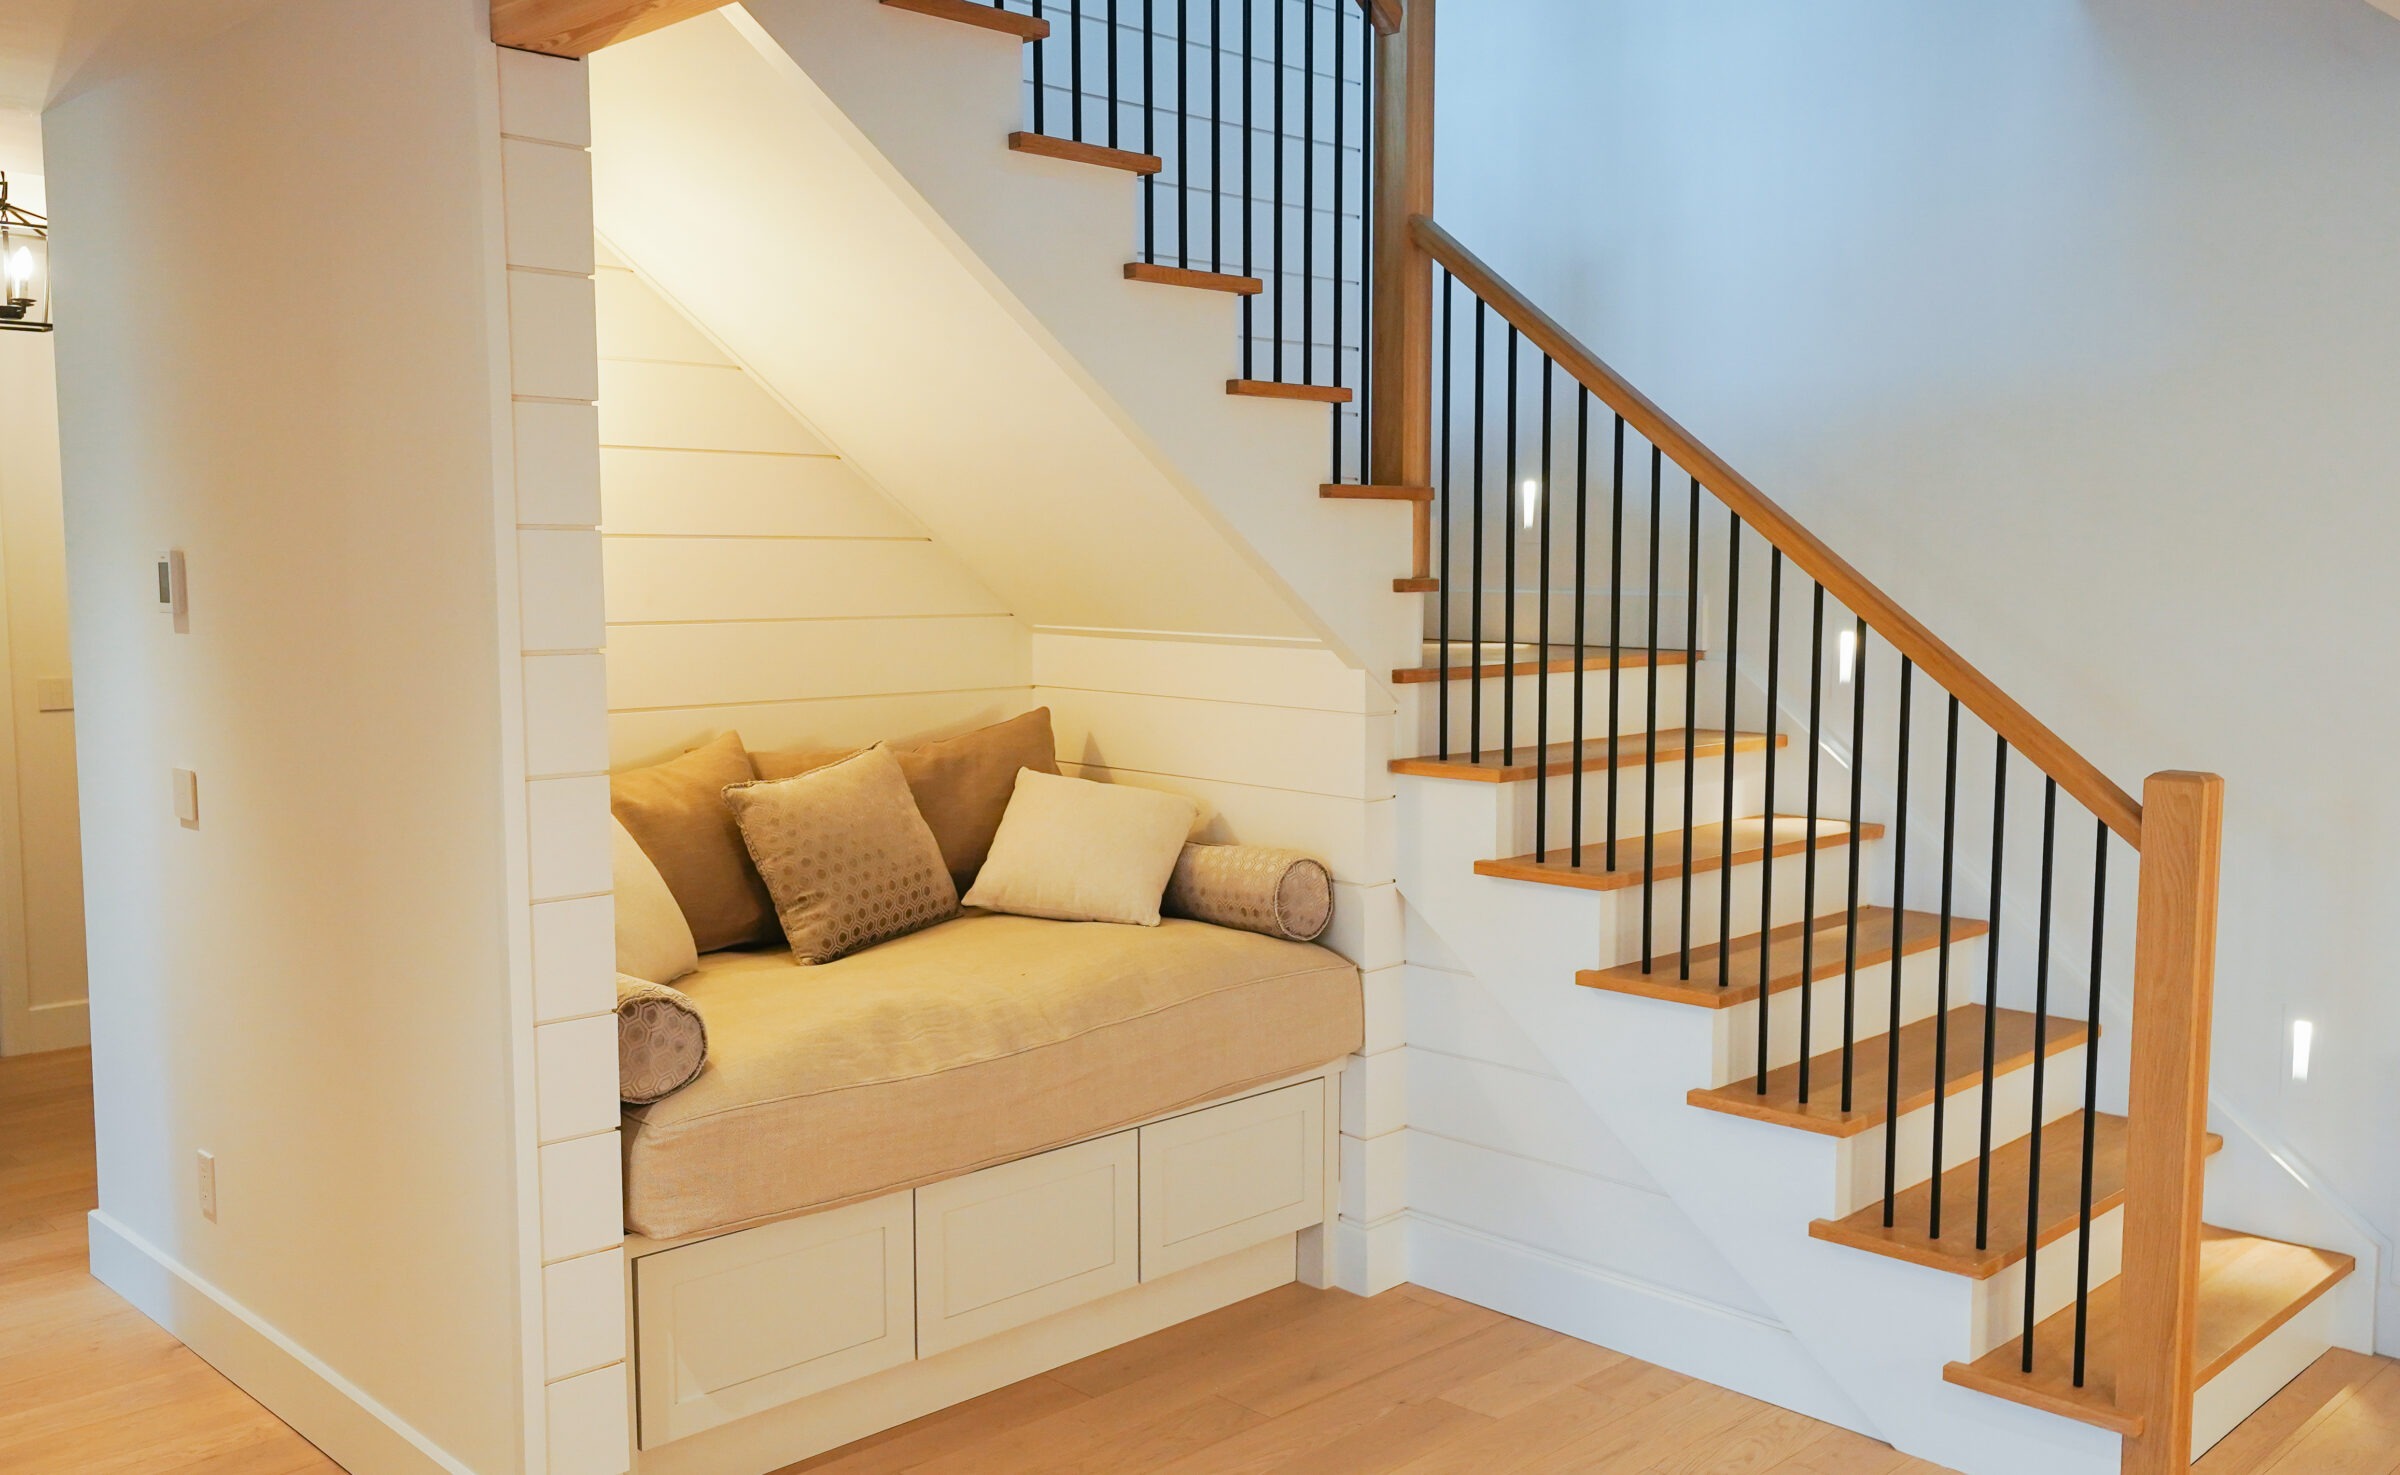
762, 1317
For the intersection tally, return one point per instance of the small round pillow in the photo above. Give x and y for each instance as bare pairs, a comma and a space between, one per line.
661, 1041
1257, 888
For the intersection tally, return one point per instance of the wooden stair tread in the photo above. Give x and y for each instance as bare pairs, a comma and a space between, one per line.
1416, 584
1674, 745
1594, 658
2249, 1286
2012, 1047
2062, 1198
1085, 153
1711, 849
1184, 276
1919, 932
1368, 492
1324, 394
1023, 27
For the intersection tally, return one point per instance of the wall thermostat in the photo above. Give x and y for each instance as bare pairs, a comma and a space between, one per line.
174, 599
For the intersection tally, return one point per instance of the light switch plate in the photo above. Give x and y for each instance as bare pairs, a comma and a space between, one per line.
208, 1185
174, 591
187, 798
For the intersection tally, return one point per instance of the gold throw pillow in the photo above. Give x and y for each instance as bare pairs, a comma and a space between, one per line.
845, 855
676, 812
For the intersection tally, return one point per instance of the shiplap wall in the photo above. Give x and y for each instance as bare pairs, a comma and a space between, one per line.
756, 580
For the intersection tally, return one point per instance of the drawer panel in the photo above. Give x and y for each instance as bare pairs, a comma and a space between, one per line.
748, 1321
1228, 1177
1016, 1243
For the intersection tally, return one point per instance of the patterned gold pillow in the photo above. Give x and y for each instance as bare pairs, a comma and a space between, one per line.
845, 854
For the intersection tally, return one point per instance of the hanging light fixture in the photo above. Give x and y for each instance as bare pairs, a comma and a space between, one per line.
24, 266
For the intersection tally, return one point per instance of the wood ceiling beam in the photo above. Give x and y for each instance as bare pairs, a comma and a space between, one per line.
580, 27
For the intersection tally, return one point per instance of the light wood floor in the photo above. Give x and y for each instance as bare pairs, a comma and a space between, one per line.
1295, 1380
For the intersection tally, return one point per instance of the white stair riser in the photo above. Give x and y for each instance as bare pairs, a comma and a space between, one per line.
1621, 928
2240, 1390
1859, 1179
1920, 976
1997, 1314
1632, 612
1646, 800
1421, 706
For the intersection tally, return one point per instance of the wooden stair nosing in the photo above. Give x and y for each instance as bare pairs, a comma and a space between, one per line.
1555, 868
1921, 932
1351, 491
1559, 759
1595, 658
1160, 274
1416, 584
1067, 149
2249, 1287
1323, 394
1955, 1251
1023, 27
2013, 1032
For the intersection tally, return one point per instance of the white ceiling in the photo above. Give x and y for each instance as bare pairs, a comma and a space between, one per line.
52, 48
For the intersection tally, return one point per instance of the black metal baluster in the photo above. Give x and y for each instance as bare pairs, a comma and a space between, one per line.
1183, 134
1075, 68
1616, 644
1941, 977
1508, 560
1691, 721
1150, 129
1858, 769
2091, 1095
1216, 135
1991, 994
1766, 869
1442, 594
1541, 693
1891, 1065
1733, 628
1475, 532
1340, 239
1041, 50
1650, 713
1308, 192
1808, 860
2041, 1058
1275, 249
1367, 399
1583, 542
1111, 68
1250, 198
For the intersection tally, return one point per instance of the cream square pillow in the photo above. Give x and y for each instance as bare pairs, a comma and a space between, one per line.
845, 854
654, 942
1078, 851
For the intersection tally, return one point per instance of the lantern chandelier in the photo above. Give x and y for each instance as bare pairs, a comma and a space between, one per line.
24, 263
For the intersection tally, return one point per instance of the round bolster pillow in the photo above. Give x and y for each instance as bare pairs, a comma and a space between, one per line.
1257, 888
661, 1041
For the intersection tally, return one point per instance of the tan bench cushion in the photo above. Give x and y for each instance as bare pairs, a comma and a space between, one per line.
973, 1042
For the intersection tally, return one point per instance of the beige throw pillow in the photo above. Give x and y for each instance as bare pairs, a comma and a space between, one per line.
962, 784
845, 855
1078, 851
661, 1041
676, 810
654, 943
1281, 893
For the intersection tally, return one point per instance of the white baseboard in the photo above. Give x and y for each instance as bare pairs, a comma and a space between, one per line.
1733, 1349
330, 1412
1369, 1259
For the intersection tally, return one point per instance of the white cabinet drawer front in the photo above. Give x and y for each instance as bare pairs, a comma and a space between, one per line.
733, 1325
1025, 1240
1226, 1178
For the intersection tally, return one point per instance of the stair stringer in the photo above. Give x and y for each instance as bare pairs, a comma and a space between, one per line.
937, 101
1880, 1330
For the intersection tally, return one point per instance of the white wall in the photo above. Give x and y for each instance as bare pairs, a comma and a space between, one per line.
41, 871
286, 355
757, 580
2072, 327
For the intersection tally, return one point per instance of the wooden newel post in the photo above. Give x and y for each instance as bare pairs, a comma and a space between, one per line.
1401, 439
2174, 981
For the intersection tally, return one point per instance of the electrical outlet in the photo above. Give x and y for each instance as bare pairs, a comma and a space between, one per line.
208, 1186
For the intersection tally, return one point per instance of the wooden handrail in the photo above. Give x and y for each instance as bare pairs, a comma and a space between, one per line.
1384, 13
2174, 972
2024, 732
